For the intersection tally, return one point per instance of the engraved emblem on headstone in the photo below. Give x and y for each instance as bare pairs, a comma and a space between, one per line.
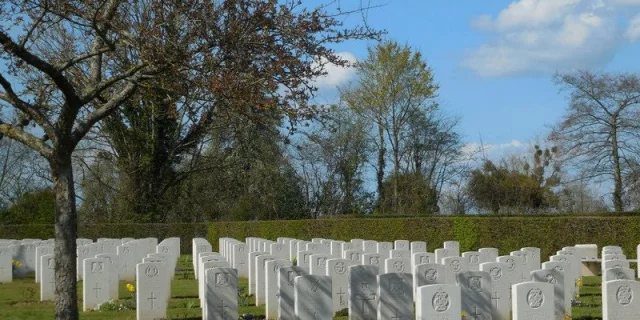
222, 279
374, 261
455, 265
496, 273
441, 301
550, 279
559, 268
424, 259
474, 259
475, 284
151, 271
624, 295
431, 275
50, 264
313, 285
395, 286
355, 256
125, 249
620, 276
511, 264
398, 266
165, 249
340, 268
535, 298
291, 275
96, 267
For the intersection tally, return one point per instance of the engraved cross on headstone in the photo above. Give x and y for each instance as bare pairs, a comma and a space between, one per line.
476, 315
97, 289
223, 311
341, 294
396, 317
495, 298
152, 300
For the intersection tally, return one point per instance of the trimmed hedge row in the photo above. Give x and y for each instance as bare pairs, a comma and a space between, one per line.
505, 233
185, 231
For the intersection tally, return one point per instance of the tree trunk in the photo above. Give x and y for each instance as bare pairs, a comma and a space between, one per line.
396, 172
66, 234
380, 173
617, 172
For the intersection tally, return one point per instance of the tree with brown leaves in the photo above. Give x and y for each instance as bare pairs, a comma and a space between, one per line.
67, 65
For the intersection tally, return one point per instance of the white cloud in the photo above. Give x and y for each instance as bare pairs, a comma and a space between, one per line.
633, 30
336, 75
544, 36
470, 149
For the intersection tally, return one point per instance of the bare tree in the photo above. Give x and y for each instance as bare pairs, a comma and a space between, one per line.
600, 132
19, 171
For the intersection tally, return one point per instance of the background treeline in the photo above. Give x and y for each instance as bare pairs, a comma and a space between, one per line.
385, 148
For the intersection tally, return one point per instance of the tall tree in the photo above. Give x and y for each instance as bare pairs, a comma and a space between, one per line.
67, 65
394, 84
600, 131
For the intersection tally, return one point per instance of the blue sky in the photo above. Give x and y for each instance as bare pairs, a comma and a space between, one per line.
494, 59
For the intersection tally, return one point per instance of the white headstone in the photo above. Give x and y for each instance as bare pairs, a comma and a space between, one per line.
41, 251
555, 278
252, 269
95, 289
442, 253
568, 286
338, 269
151, 291
396, 265
286, 297
47, 278
318, 264
313, 297
395, 292
454, 246
114, 277
455, 265
279, 250
363, 292
370, 246
488, 254
240, 257
618, 274
619, 300
475, 287
384, 249
221, 294
127, 259
260, 289
500, 289
472, 259
439, 301
532, 300
418, 246
353, 255
401, 245
6, 273
372, 259
534, 258
272, 270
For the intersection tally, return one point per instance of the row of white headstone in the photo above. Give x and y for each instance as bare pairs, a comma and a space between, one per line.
486, 281
101, 265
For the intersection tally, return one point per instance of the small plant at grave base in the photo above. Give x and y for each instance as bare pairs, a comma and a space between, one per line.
113, 305
132, 289
243, 297
343, 313
249, 316
463, 315
189, 304
15, 264
295, 261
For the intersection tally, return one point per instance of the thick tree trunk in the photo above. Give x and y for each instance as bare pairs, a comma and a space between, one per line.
66, 234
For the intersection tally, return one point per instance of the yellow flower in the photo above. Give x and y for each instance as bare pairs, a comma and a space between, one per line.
131, 287
464, 315
17, 263
580, 283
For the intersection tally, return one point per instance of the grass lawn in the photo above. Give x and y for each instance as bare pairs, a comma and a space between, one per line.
19, 300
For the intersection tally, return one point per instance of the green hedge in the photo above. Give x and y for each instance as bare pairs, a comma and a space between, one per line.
505, 233
185, 231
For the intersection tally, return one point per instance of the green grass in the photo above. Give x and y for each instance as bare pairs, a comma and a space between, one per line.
19, 300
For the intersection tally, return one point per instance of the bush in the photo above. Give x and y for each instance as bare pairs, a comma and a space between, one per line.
549, 233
